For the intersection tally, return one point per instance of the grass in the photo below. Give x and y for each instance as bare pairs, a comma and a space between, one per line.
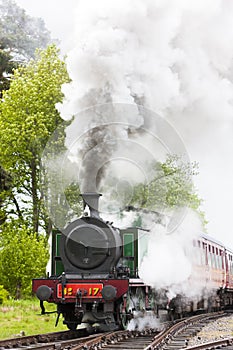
24, 316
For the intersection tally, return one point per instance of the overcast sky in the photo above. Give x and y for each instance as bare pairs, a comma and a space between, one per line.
57, 15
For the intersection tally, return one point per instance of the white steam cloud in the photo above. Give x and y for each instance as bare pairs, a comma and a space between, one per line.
175, 57
169, 260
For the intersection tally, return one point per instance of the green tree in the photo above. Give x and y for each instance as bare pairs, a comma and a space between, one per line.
172, 187
20, 36
28, 117
20, 33
23, 256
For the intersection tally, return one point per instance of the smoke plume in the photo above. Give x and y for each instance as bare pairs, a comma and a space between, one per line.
172, 57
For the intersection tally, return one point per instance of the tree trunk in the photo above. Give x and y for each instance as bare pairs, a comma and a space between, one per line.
35, 207
18, 291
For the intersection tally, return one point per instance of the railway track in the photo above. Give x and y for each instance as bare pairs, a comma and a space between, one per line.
134, 340
55, 340
178, 336
130, 340
173, 337
169, 337
72, 340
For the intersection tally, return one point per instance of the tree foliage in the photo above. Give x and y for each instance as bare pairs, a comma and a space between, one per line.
28, 117
171, 187
23, 256
20, 36
3, 294
20, 33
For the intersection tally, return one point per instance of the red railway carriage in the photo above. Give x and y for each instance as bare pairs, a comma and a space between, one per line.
210, 261
213, 268
218, 263
229, 269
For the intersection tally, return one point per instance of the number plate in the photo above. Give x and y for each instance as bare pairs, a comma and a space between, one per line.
88, 290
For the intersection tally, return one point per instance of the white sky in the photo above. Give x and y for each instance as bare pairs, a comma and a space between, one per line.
57, 15
58, 18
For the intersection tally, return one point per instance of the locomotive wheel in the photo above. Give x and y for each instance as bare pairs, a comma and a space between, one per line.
72, 326
124, 321
140, 299
124, 313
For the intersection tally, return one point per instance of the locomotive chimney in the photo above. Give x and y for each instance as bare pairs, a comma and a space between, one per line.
91, 199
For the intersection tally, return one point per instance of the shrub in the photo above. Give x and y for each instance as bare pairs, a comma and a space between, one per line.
3, 294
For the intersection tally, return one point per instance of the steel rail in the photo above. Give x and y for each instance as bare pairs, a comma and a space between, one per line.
99, 340
162, 338
118, 339
212, 345
46, 341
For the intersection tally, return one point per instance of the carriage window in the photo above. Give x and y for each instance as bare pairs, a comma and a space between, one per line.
203, 259
220, 262
217, 261
231, 264
217, 258
222, 259
214, 261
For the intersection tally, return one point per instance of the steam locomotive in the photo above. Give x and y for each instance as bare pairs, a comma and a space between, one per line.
95, 279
